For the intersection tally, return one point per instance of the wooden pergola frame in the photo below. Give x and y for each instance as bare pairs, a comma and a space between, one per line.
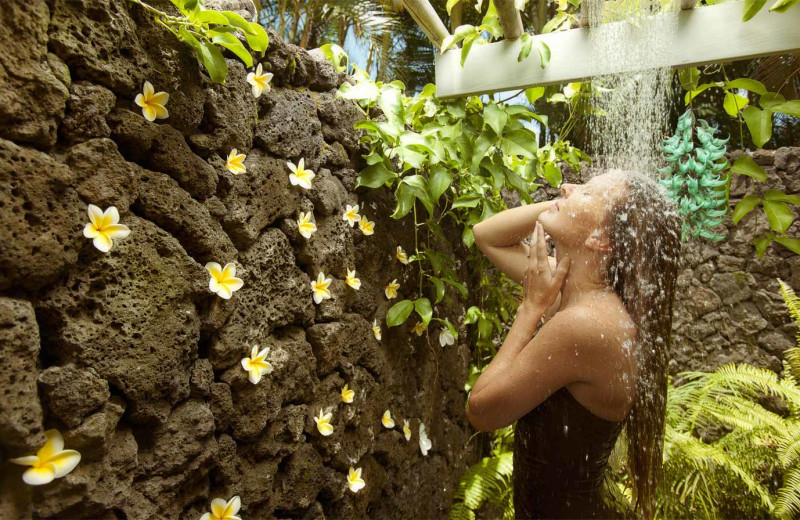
704, 35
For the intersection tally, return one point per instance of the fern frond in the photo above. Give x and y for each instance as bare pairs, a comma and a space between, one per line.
788, 503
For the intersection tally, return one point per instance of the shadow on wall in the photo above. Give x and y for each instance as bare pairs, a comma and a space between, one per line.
131, 356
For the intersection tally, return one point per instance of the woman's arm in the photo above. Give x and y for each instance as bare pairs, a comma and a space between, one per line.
500, 236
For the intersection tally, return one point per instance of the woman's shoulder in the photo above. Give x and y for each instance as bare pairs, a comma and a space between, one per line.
601, 321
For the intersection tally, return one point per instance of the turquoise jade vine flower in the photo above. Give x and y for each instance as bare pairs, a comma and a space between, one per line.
221, 510
103, 227
152, 103
52, 461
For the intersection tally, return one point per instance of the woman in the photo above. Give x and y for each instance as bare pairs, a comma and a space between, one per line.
599, 361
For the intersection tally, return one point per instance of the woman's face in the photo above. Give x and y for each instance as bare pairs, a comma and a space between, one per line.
578, 215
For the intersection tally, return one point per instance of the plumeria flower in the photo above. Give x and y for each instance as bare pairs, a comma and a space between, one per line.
152, 103
305, 225
52, 461
354, 480
235, 162
401, 255
351, 279
320, 288
221, 510
351, 215
407, 429
324, 423
103, 227
300, 176
259, 80
257, 364
391, 290
424, 441
419, 328
387, 419
446, 337
347, 394
223, 280
376, 329
367, 227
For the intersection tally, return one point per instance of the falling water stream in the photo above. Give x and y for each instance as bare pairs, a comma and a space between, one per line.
632, 107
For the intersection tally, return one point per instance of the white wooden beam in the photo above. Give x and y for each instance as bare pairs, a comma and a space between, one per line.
704, 35
510, 19
425, 15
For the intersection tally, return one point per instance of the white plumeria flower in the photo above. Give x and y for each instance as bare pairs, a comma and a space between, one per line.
401, 255
223, 281
354, 480
259, 81
235, 162
347, 394
387, 420
391, 290
103, 227
367, 227
221, 510
351, 214
305, 225
419, 328
351, 279
257, 364
152, 103
320, 288
376, 329
300, 176
446, 337
406, 429
424, 441
324, 423
52, 461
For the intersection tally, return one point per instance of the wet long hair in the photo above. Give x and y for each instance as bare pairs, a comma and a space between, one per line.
644, 230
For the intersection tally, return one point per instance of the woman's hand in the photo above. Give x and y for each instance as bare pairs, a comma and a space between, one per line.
540, 286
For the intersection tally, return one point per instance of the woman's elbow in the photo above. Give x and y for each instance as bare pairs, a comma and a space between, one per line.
475, 418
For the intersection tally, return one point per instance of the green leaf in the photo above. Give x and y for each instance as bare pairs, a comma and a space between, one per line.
419, 186
375, 176
485, 140
770, 99
467, 236
239, 22
552, 174
762, 243
472, 315
391, 103
689, 78
554, 22
700, 89
439, 285
779, 215
544, 52
211, 17
733, 103
215, 64
459, 287
744, 207
423, 308
461, 32
336, 55
520, 141
467, 45
751, 7
405, 200
467, 201
451, 4
534, 93
516, 182
399, 312
792, 244
484, 328
745, 165
233, 44
439, 182
495, 117
791, 108
526, 44
750, 85
759, 122
779, 196
258, 39
779, 7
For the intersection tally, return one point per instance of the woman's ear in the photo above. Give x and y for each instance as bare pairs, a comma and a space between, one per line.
598, 241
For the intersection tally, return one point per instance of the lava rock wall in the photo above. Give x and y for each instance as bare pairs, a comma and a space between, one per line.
131, 356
